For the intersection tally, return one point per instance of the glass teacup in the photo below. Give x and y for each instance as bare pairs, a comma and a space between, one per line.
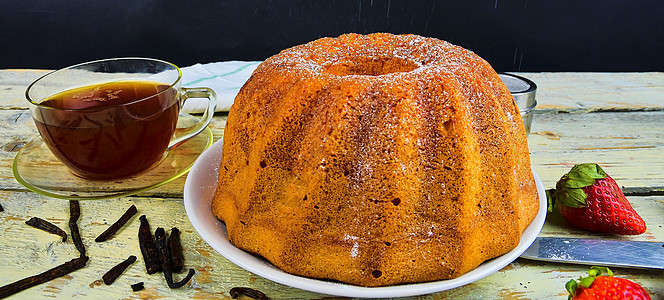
113, 118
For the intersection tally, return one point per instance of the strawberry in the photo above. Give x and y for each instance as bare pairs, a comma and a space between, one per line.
597, 286
591, 200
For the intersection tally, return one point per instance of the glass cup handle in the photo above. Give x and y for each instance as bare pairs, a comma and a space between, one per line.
183, 134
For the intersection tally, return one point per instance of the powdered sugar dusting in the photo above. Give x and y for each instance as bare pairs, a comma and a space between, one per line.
420, 54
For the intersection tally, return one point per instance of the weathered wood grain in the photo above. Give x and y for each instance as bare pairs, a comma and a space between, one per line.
13, 84
581, 91
628, 145
25, 251
614, 119
598, 91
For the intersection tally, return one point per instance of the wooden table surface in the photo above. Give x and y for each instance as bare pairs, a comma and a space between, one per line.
614, 119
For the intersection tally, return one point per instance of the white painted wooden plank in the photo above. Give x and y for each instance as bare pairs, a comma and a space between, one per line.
593, 91
555, 90
624, 143
25, 251
629, 145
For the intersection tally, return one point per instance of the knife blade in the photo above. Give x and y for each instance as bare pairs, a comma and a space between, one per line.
609, 253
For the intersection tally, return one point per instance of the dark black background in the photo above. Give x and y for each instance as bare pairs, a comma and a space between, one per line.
524, 35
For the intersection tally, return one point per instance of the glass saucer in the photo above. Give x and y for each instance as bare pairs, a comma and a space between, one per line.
36, 168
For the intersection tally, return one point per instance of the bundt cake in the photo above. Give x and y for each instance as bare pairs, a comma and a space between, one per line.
375, 160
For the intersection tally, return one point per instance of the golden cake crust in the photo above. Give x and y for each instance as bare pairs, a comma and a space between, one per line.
375, 160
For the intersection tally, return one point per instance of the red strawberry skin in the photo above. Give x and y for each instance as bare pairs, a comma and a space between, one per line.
605, 287
608, 210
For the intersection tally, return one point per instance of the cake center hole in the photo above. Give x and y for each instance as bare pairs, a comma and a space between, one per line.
371, 66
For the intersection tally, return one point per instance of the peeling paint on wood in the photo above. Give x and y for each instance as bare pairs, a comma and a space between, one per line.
627, 142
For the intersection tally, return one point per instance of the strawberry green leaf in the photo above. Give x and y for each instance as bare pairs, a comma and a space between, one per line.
571, 197
597, 271
582, 175
569, 189
550, 199
591, 170
586, 281
571, 287
576, 180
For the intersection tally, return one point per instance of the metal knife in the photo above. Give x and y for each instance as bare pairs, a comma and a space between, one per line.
608, 253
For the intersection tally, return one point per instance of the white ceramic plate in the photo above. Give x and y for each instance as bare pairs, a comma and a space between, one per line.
198, 191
